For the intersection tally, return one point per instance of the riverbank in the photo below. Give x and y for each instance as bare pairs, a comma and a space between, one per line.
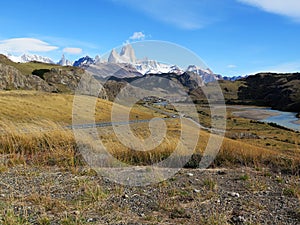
285, 119
253, 113
297, 122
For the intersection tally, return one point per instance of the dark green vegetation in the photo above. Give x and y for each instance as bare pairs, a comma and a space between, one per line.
279, 91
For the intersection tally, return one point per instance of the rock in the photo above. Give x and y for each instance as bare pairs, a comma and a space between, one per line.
90, 220
11, 78
196, 191
190, 174
221, 172
239, 219
234, 194
125, 196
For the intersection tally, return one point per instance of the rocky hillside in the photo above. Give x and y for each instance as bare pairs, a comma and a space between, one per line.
11, 78
38, 76
167, 85
279, 91
54, 78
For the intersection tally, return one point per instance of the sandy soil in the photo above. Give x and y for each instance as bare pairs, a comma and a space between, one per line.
254, 114
297, 122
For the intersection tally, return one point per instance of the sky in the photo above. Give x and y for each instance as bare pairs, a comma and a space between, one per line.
232, 37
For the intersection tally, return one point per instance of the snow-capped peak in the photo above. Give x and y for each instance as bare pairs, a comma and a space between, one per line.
206, 74
151, 66
64, 61
84, 61
126, 55
28, 58
197, 69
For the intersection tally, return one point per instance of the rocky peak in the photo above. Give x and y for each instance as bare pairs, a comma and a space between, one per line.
64, 61
126, 55
114, 57
84, 61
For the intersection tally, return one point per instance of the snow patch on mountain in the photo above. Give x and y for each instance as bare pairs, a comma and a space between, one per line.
154, 67
64, 61
206, 74
84, 62
127, 55
28, 58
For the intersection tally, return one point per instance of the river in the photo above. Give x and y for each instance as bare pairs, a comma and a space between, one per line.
285, 119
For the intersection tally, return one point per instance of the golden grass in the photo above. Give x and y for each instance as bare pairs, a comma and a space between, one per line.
58, 147
31, 131
42, 143
27, 106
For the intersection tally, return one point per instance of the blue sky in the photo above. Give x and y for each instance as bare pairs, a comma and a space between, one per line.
233, 37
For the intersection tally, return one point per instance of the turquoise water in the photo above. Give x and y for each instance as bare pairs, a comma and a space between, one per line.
285, 119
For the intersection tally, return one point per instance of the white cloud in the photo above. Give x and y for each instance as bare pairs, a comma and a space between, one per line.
25, 45
137, 36
74, 51
290, 8
231, 66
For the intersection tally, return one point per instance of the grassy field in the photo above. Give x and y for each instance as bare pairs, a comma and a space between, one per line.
46, 180
47, 143
30, 106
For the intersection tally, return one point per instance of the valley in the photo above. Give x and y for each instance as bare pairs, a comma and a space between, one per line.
257, 165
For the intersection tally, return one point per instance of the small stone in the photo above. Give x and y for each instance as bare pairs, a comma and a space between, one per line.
125, 196
234, 194
190, 174
196, 191
241, 219
221, 172
90, 220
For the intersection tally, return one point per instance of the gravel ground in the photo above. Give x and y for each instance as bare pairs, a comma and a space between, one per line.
30, 195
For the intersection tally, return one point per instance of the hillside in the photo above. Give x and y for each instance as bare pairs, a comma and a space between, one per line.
38, 76
65, 79
279, 91
29, 67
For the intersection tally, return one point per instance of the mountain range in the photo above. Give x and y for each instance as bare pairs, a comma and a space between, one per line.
123, 64
279, 91
29, 58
